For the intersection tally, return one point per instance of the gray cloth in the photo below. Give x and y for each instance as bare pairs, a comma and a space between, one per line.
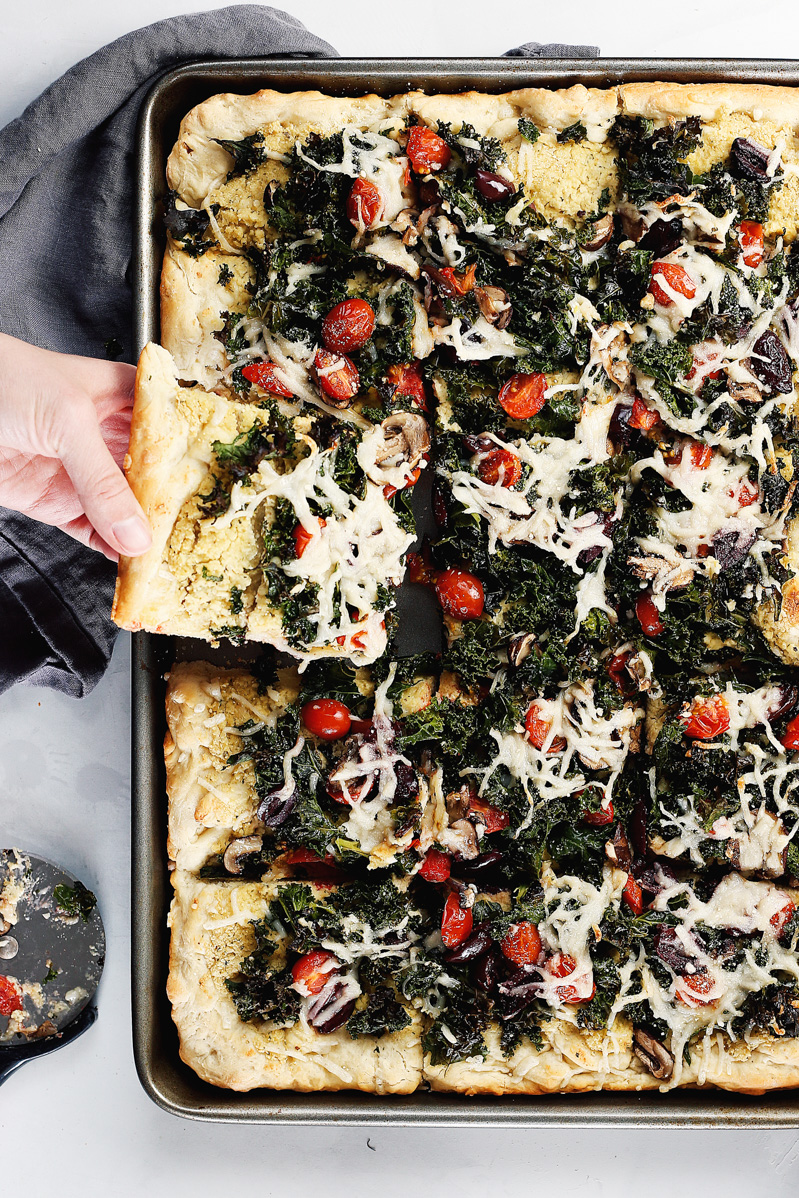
66, 235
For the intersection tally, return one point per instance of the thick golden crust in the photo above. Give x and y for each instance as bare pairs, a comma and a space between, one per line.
574, 1061
164, 468
662, 101
198, 164
211, 802
192, 302
210, 935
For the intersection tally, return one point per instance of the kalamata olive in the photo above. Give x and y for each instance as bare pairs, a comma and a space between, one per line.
618, 850
518, 991
620, 432
750, 158
275, 808
493, 187
730, 548
481, 864
662, 237
407, 782
473, 946
586, 556
653, 878
770, 363
429, 194
479, 444
787, 701
671, 950
331, 1022
637, 828
486, 970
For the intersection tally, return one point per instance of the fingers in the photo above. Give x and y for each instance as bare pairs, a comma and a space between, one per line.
108, 501
81, 530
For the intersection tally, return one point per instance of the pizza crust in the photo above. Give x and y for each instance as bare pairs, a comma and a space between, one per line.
210, 802
573, 1061
192, 303
210, 935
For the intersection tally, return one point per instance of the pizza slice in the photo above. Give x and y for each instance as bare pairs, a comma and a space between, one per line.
292, 775
266, 526
289, 985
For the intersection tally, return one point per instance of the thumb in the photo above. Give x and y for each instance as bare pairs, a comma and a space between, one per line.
108, 501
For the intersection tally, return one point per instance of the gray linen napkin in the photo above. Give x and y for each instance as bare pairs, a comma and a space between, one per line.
66, 235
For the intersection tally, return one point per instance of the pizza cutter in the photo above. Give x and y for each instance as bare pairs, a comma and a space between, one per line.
52, 951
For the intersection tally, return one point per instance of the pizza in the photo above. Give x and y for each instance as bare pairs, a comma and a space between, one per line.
561, 327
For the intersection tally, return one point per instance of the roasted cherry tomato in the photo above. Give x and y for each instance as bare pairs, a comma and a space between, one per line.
561, 966
408, 380
303, 538
790, 738
456, 923
707, 717
751, 242
348, 326
522, 943
452, 283
523, 395
648, 615
675, 277
10, 996
329, 719
748, 492
642, 417
493, 819
538, 730
633, 895
419, 567
264, 376
313, 971
338, 377
364, 203
780, 918
500, 466
460, 594
692, 988
701, 455
427, 151
436, 866
600, 817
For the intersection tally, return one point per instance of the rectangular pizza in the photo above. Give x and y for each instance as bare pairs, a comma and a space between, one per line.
558, 855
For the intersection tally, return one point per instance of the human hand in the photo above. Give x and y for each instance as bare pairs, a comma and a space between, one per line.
64, 428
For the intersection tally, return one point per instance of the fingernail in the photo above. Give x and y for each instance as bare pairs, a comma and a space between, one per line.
132, 535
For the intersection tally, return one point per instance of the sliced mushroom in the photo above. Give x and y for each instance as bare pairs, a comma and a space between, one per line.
669, 575
520, 647
603, 231
457, 802
237, 850
494, 304
654, 1055
461, 838
744, 392
406, 438
5, 926
613, 354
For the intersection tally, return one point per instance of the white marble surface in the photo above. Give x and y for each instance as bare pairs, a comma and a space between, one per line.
78, 1123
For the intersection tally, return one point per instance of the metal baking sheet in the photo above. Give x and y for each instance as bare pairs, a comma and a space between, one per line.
166, 1079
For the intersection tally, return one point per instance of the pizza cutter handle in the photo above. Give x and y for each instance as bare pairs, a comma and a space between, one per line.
13, 1057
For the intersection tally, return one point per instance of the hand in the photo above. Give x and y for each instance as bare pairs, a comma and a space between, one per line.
64, 428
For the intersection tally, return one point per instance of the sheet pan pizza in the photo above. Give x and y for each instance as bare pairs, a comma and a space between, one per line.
561, 854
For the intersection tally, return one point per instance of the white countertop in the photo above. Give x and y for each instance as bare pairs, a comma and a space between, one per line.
78, 1122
